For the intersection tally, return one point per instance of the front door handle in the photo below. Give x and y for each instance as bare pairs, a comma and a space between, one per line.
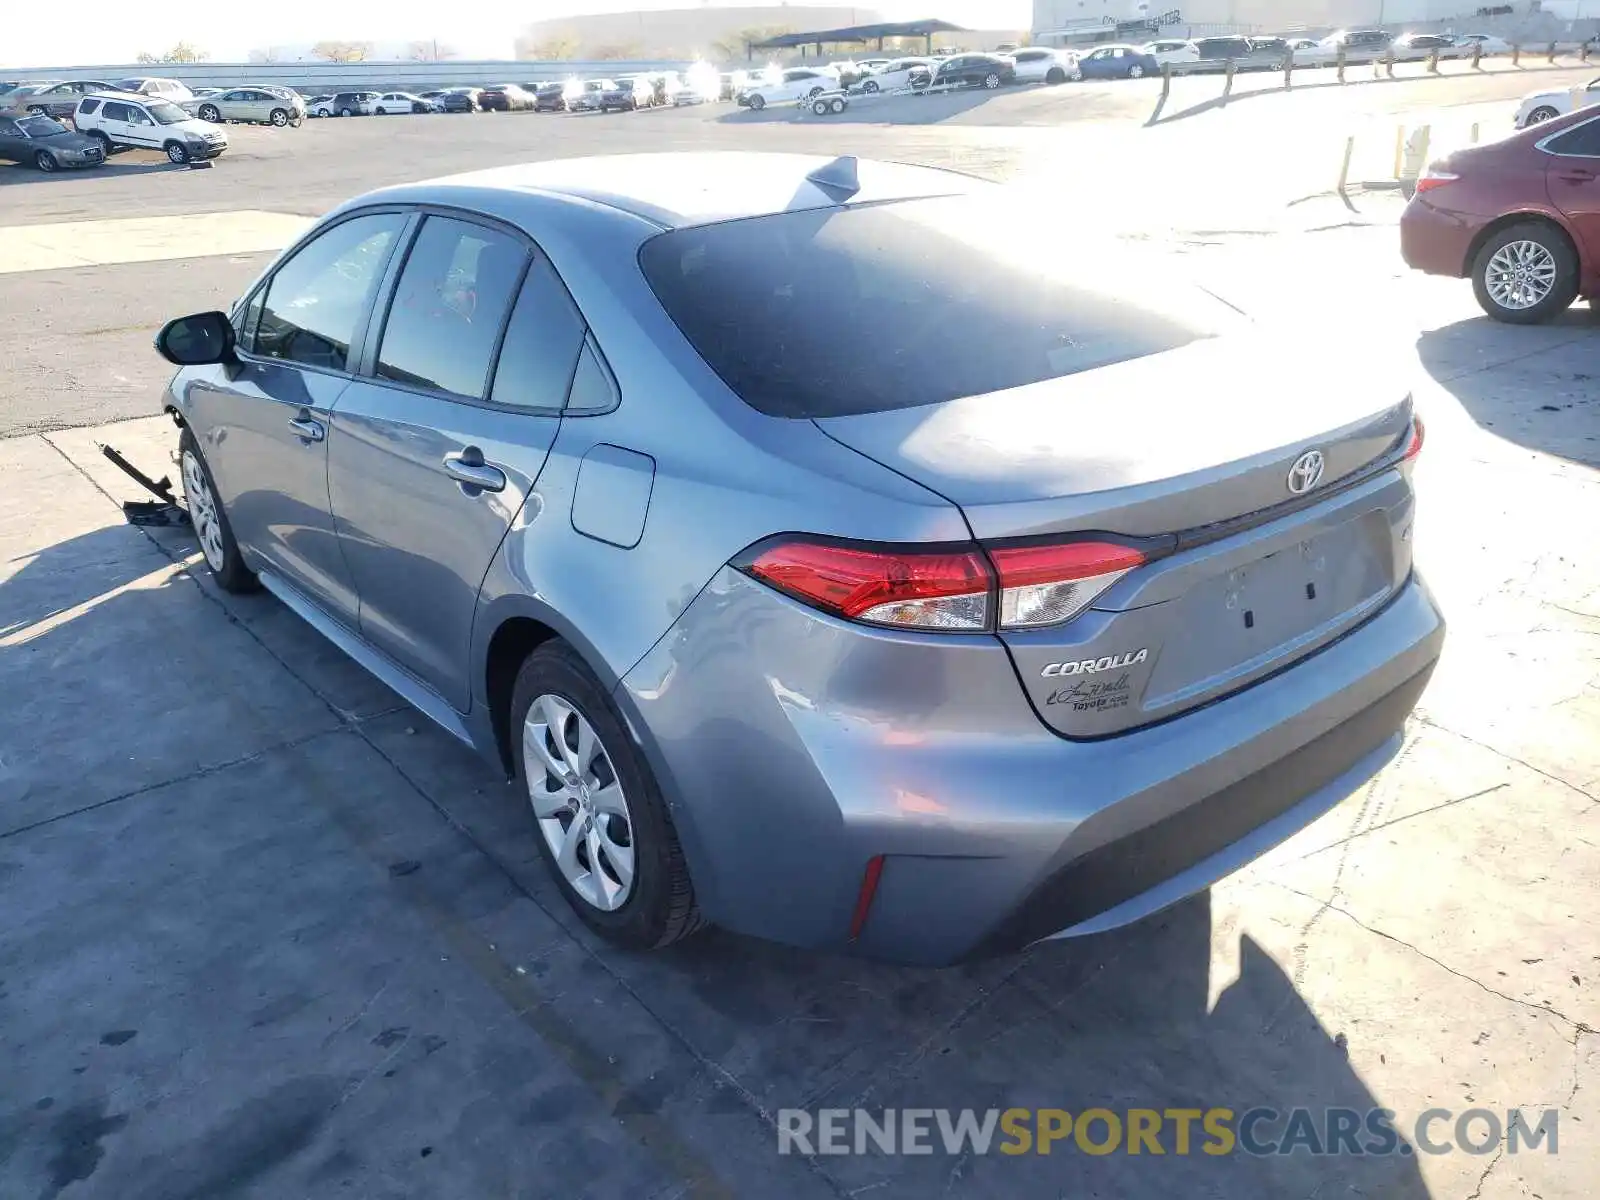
307, 428
1578, 176
469, 470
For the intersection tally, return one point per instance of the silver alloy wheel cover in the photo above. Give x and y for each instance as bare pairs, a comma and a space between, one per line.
203, 511
578, 802
176, 153
1520, 275
1542, 114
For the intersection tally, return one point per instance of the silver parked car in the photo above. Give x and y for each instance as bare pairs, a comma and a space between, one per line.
259, 105
816, 563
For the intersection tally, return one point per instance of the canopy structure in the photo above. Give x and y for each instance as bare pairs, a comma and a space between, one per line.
859, 34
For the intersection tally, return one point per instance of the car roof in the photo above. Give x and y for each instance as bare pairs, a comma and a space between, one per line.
675, 190
126, 97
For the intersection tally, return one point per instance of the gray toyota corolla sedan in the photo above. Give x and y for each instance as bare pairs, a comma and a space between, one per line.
821, 556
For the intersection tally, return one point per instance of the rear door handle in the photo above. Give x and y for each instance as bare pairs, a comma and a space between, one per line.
469, 469
307, 428
1576, 176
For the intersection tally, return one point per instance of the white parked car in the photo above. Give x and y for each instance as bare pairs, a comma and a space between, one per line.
897, 74
394, 103
1539, 107
1490, 43
1040, 64
167, 89
797, 83
1174, 51
127, 120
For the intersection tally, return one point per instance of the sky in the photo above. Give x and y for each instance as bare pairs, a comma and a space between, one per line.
99, 31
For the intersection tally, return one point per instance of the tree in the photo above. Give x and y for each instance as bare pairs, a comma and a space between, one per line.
620, 52
554, 48
432, 50
267, 54
343, 52
737, 45
183, 52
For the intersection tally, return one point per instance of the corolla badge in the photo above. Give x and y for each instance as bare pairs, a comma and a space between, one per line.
1306, 472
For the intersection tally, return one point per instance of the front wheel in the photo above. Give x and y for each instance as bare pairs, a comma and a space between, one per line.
1526, 274
757, 103
210, 522
279, 117
1076, 75
177, 152
870, 86
991, 81
1542, 114
820, 107
46, 162
1055, 75
209, 112
600, 822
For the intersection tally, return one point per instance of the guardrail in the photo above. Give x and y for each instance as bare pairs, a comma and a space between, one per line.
1382, 64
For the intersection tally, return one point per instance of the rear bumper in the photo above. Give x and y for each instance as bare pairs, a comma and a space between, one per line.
793, 749
1436, 241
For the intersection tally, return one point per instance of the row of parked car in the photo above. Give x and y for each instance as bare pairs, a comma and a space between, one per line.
1353, 45
102, 122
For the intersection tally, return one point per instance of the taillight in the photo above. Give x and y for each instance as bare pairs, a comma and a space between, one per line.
946, 588
1049, 584
1414, 440
1435, 178
938, 589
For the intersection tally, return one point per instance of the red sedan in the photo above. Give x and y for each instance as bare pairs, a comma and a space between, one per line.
1520, 218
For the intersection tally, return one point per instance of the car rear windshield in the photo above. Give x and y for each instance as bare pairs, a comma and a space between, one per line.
841, 311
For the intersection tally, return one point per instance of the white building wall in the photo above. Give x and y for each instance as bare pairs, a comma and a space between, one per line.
1265, 15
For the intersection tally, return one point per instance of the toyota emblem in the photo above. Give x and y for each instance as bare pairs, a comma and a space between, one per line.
1306, 472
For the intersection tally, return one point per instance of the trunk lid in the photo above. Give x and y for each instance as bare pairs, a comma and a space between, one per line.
1192, 449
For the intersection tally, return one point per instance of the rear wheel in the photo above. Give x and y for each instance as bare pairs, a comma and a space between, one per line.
1136, 72
1542, 114
1526, 274
210, 522
601, 824
177, 152
820, 107
209, 112
870, 86
279, 117
345, 112
46, 162
991, 81
836, 105
1055, 75
101, 136
1076, 75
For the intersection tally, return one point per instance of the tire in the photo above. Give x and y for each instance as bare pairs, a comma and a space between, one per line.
104, 139
836, 106
813, 93
210, 112
1055, 76
991, 81
1076, 75
757, 102
37, 110
210, 521
820, 107
176, 152
1546, 251
279, 117
656, 906
1136, 72
1542, 114
46, 162
870, 86
345, 112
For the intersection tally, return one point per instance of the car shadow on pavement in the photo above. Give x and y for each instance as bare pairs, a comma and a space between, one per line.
1532, 385
235, 799
26, 173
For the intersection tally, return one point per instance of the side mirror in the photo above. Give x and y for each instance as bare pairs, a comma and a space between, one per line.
194, 341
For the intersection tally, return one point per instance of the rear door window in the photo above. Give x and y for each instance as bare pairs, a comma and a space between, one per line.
541, 344
450, 307
1583, 141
